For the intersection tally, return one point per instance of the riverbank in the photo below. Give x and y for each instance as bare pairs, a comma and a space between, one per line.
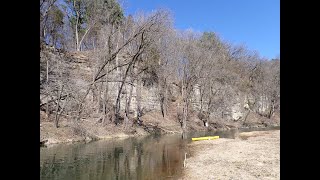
84, 131
93, 129
252, 155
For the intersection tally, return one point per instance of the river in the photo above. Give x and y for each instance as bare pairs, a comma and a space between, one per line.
148, 157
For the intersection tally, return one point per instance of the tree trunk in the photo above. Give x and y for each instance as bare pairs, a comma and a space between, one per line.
166, 100
162, 94
105, 106
94, 93
185, 107
118, 72
63, 106
133, 61
99, 97
80, 108
77, 22
245, 118
184, 89
105, 99
128, 106
47, 107
201, 99
271, 111
138, 98
185, 116
80, 43
57, 108
162, 104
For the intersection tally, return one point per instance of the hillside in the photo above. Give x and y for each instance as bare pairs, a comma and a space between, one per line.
104, 73
91, 126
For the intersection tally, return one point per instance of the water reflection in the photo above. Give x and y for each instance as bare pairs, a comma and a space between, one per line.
135, 158
152, 157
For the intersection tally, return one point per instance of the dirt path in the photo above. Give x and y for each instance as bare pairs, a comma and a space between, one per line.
253, 155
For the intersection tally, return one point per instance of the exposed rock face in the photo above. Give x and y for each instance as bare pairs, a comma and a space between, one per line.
230, 104
236, 112
236, 107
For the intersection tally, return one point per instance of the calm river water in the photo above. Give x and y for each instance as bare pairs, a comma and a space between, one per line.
151, 157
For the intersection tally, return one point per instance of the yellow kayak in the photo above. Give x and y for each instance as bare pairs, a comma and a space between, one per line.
205, 138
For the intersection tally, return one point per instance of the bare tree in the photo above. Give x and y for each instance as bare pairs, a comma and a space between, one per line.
118, 56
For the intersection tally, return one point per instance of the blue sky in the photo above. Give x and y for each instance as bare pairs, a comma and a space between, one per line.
255, 23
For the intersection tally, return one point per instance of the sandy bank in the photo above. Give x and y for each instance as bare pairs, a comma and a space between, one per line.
252, 155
